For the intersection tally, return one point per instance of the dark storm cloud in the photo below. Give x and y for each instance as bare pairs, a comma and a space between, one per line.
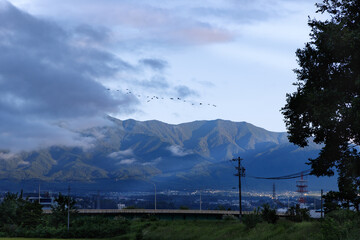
48, 75
155, 64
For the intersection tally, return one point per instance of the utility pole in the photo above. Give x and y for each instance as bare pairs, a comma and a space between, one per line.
274, 192
288, 202
155, 195
322, 212
98, 200
39, 193
240, 173
200, 200
68, 226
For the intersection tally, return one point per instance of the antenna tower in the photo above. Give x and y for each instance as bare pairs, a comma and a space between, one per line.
302, 189
274, 192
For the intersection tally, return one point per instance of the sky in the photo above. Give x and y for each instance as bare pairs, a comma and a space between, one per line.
64, 65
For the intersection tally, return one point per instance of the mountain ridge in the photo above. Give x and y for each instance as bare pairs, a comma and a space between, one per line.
129, 150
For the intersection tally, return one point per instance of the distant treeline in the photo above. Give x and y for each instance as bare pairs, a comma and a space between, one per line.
22, 218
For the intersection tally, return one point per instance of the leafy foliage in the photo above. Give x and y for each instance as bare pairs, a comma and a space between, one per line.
268, 214
251, 220
92, 227
228, 217
60, 209
326, 105
298, 214
337, 225
184, 208
17, 212
341, 224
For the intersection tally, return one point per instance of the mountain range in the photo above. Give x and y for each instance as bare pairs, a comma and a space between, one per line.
132, 155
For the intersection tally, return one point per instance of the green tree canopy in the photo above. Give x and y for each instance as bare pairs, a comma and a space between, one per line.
19, 212
326, 106
60, 209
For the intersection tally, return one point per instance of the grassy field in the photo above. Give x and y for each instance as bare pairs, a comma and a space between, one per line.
208, 230
228, 229
40, 239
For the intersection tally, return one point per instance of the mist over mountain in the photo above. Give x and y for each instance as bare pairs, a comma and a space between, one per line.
129, 155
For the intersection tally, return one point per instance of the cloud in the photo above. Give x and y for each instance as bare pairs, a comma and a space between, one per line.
155, 82
155, 64
50, 75
124, 157
93, 34
204, 83
19, 134
184, 91
241, 14
153, 162
179, 151
121, 154
140, 23
6, 155
23, 163
202, 35
127, 161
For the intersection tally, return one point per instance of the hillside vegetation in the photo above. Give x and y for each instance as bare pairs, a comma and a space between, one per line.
192, 154
151, 229
22, 218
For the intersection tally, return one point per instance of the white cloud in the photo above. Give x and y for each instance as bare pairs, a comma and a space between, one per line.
179, 151
231, 44
147, 21
124, 157
153, 162
6, 155
127, 161
121, 154
23, 163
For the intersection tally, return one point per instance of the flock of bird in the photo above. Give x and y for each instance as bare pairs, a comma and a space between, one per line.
154, 98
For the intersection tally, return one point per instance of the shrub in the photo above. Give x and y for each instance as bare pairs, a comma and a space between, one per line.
297, 214
94, 227
251, 220
269, 214
341, 224
229, 217
184, 208
139, 235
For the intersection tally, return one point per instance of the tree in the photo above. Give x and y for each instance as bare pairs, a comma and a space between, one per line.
59, 210
268, 214
326, 106
298, 214
19, 212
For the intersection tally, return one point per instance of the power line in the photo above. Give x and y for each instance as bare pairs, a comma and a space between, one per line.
290, 176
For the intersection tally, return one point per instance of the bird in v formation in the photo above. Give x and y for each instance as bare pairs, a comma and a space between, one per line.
149, 98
